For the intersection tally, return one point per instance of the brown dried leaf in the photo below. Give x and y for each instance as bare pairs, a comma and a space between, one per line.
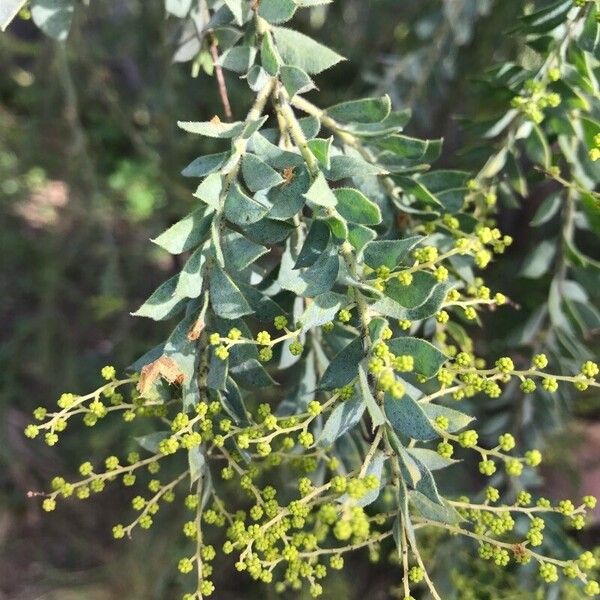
195, 330
164, 367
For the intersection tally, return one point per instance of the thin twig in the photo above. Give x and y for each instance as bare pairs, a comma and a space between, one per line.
213, 45
214, 52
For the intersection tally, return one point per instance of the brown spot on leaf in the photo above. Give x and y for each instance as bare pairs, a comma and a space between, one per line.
288, 175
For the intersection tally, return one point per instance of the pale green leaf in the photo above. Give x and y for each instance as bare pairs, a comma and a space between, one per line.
8, 11
456, 420
209, 191
344, 366
427, 358
226, 298
356, 207
295, 80
239, 9
320, 193
321, 310
269, 57
189, 284
367, 110
217, 373
411, 148
302, 51
408, 419
389, 253
393, 123
431, 459
233, 403
376, 414
53, 17
277, 157
375, 469
276, 11
321, 148
314, 245
338, 225
251, 375
185, 353
163, 303
539, 259
316, 279
205, 165
391, 305
258, 175
185, 234
178, 8
345, 416
343, 167
288, 198
433, 511
238, 59
196, 463
547, 210
239, 251
359, 236
268, 231
241, 209
212, 128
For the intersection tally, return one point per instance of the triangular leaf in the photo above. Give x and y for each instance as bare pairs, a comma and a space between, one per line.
314, 245
343, 418
295, 80
53, 17
258, 175
163, 303
427, 358
187, 233
226, 298
356, 207
408, 419
320, 193
189, 283
321, 310
241, 209
276, 11
344, 367
302, 51
214, 129
367, 110
389, 253
205, 165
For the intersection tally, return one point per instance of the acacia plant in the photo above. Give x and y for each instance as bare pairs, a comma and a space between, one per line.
310, 393
543, 151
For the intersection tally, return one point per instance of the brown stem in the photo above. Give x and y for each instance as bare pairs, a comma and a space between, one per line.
214, 52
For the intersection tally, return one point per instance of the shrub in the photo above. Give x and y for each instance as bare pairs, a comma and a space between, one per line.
330, 283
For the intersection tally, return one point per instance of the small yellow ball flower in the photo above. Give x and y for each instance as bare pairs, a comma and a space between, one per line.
108, 372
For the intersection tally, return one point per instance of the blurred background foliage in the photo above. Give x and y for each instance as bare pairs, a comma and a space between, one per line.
90, 157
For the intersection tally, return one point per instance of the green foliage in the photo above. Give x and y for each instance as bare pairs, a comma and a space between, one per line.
364, 265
